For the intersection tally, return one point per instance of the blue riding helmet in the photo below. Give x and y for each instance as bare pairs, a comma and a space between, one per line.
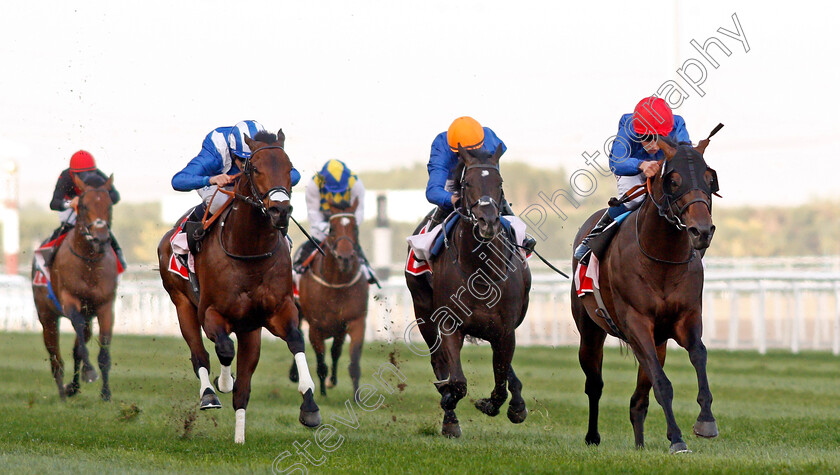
336, 176
235, 139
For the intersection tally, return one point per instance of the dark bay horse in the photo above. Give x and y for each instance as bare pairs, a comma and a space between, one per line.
479, 287
651, 281
334, 296
83, 276
245, 275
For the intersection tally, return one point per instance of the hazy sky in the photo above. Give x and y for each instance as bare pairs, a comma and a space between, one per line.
140, 84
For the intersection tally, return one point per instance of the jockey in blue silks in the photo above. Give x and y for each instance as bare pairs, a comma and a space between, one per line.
441, 190
635, 155
215, 166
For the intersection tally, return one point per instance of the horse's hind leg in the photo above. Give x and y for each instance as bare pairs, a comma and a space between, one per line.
455, 388
90, 374
640, 399
517, 412
50, 324
316, 338
80, 351
246, 363
335, 352
690, 339
356, 329
502, 356
591, 357
191, 331
105, 316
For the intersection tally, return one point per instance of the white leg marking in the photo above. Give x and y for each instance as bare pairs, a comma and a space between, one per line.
225, 380
239, 431
204, 377
303, 374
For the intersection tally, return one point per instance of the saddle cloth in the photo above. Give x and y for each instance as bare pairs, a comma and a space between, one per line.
178, 241
41, 277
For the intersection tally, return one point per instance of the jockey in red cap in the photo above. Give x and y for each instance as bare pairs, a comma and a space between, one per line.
66, 197
635, 155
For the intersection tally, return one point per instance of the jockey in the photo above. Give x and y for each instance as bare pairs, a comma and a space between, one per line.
635, 155
334, 183
66, 198
441, 189
215, 166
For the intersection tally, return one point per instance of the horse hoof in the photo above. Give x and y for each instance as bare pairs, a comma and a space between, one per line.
451, 430
517, 417
679, 448
209, 400
91, 375
226, 389
708, 429
106, 394
593, 439
310, 419
71, 389
486, 406
330, 383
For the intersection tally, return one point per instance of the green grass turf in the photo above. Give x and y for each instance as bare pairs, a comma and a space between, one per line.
776, 413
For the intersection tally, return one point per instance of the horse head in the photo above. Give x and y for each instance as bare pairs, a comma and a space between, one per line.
93, 211
344, 234
481, 189
268, 177
686, 186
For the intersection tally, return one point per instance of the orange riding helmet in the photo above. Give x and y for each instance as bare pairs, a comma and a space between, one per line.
653, 116
82, 161
465, 131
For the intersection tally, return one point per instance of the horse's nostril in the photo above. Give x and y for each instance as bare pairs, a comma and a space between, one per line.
694, 232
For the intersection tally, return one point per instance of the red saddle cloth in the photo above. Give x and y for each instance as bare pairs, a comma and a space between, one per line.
586, 277
414, 266
42, 277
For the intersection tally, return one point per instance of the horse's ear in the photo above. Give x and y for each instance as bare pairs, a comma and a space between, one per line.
463, 154
110, 183
701, 147
249, 141
80, 184
281, 137
497, 154
668, 150
354, 206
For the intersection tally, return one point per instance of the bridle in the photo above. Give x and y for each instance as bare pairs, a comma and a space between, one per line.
81, 223
467, 214
332, 245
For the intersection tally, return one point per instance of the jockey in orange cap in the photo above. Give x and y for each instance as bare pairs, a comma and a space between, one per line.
66, 197
635, 155
441, 189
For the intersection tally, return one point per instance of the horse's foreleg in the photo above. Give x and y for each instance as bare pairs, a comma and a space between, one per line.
285, 325
335, 352
691, 340
191, 331
50, 325
316, 338
640, 334
517, 412
105, 316
640, 400
455, 387
216, 330
591, 358
80, 352
246, 363
356, 329
503, 349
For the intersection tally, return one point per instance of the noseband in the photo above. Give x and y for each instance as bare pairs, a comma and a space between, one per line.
277, 193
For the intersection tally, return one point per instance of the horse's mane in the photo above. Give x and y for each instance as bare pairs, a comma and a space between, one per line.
92, 179
265, 137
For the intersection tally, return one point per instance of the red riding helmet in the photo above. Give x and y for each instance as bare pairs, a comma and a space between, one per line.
82, 161
653, 116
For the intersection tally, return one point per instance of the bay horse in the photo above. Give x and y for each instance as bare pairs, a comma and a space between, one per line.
651, 282
245, 275
83, 276
334, 296
478, 287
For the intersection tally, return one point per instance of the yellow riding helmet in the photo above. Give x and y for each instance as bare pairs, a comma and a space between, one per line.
465, 131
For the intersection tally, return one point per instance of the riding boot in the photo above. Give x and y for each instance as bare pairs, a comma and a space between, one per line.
528, 243
602, 224
194, 228
437, 217
371, 275
118, 251
49, 254
303, 253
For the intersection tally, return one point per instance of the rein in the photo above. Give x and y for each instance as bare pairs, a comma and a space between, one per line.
674, 219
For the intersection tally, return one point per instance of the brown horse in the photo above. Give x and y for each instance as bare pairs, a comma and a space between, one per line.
479, 287
651, 281
83, 276
245, 274
334, 296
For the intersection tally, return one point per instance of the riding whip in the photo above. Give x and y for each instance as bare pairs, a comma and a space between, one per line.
308, 236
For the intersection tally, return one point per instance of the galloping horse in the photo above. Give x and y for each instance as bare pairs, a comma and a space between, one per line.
83, 277
479, 287
334, 296
651, 282
245, 275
